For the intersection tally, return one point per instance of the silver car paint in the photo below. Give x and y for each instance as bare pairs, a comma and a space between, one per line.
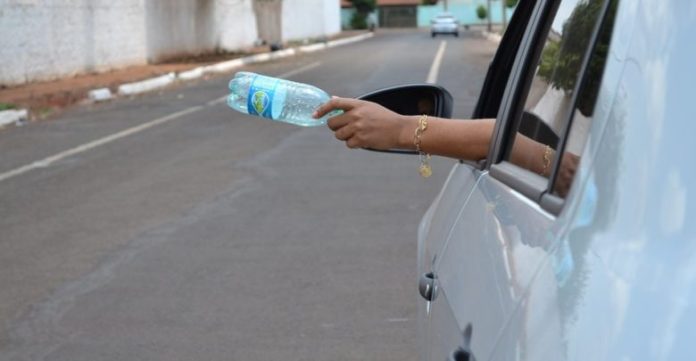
613, 277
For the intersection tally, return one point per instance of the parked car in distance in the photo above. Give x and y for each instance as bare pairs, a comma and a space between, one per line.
444, 24
516, 266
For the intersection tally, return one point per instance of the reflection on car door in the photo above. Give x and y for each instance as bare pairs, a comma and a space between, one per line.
436, 228
492, 254
502, 236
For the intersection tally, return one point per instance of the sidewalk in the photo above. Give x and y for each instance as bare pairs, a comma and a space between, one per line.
43, 99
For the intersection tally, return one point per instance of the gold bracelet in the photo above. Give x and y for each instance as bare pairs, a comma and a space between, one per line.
546, 160
424, 169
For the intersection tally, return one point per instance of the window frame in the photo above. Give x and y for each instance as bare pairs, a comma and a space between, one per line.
534, 186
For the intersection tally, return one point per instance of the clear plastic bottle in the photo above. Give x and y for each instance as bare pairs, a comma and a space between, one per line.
277, 99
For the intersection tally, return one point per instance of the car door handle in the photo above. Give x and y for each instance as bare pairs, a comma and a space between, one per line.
463, 352
426, 286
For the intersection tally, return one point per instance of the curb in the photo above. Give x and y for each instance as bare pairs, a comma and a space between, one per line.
13, 116
494, 37
350, 40
147, 85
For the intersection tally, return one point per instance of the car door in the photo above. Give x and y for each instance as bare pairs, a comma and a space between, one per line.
505, 231
438, 222
538, 328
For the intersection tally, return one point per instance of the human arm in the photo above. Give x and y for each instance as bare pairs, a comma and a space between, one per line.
366, 124
369, 125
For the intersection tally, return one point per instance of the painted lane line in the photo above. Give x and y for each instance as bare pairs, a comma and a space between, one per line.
43, 163
299, 70
435, 67
94, 144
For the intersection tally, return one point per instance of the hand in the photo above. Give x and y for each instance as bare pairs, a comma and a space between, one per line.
566, 173
365, 124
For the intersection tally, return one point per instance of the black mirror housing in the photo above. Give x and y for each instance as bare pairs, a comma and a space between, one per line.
415, 99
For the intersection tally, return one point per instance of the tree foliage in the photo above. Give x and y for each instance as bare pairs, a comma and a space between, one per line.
562, 58
364, 6
358, 21
481, 12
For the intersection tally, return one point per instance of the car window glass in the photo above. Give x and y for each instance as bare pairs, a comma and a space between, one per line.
583, 111
549, 98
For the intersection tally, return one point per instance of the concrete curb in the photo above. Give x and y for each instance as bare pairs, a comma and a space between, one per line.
351, 40
13, 116
494, 37
312, 48
194, 73
147, 85
100, 95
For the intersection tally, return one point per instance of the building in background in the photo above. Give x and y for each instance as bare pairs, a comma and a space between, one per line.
47, 39
419, 13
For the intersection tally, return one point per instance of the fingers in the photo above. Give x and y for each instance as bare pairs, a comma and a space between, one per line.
344, 104
345, 133
338, 122
353, 143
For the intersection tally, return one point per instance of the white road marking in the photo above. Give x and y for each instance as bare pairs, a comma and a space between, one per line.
300, 70
128, 132
435, 67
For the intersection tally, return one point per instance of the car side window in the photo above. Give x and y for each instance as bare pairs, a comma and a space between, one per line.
560, 91
583, 110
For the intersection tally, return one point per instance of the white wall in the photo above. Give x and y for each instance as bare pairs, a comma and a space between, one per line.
310, 18
177, 27
44, 39
48, 39
236, 24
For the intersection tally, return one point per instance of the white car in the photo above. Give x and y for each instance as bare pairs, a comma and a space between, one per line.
594, 259
444, 24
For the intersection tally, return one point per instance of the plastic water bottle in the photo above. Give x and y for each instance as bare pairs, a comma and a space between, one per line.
277, 99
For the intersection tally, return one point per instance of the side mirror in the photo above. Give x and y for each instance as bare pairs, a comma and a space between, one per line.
416, 99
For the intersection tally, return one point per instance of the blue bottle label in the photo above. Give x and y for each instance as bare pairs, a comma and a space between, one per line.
260, 99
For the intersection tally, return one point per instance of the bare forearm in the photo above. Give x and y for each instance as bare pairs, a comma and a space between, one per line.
461, 139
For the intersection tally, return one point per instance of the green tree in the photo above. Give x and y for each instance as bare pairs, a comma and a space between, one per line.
481, 12
358, 21
562, 59
362, 8
511, 3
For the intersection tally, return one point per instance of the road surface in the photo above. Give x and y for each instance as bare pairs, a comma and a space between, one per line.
169, 227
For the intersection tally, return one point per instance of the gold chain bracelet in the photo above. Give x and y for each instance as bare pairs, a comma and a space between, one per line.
424, 169
546, 160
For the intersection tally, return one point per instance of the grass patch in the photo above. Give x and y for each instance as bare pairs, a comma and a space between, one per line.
5, 106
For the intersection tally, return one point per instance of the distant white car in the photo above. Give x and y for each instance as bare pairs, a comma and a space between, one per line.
444, 24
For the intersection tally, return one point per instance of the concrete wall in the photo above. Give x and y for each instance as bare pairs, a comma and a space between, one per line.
236, 24
310, 18
464, 10
176, 27
48, 39
43, 39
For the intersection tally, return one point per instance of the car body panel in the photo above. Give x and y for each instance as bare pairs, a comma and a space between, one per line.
490, 258
613, 276
434, 231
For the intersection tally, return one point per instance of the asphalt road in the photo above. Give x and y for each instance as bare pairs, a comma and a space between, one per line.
212, 235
